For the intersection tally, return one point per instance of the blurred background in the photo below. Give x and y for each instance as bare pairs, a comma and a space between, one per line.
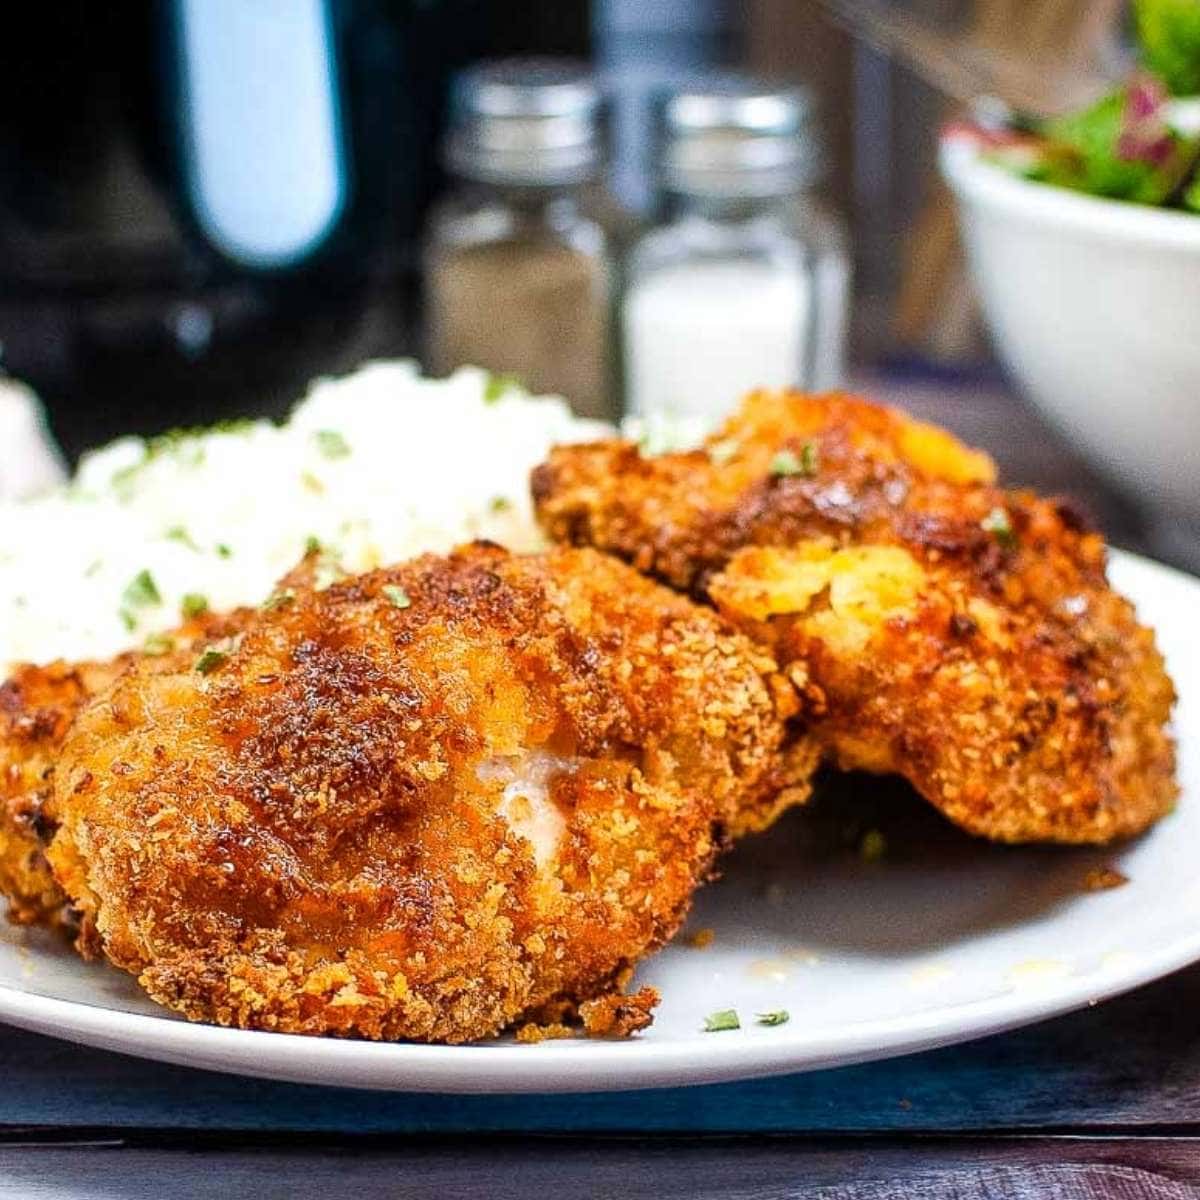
205, 203
128, 309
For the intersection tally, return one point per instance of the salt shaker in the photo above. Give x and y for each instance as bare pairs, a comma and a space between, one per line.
518, 278
744, 282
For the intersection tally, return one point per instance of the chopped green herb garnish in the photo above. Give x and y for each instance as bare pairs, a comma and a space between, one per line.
872, 847
229, 425
158, 644
93, 568
185, 445
498, 386
122, 480
177, 439
718, 1022
398, 597
216, 654
128, 619
803, 464
223, 551
177, 533
312, 483
141, 591
780, 1016
210, 660
500, 504
280, 599
997, 523
328, 572
719, 453
193, 604
332, 444
328, 569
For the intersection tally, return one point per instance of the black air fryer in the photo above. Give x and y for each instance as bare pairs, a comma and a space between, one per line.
204, 203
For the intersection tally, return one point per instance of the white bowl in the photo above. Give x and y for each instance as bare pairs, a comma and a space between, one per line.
1094, 306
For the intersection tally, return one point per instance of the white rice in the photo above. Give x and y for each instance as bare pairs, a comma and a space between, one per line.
377, 466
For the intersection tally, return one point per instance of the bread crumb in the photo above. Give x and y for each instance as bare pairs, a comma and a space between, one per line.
1102, 879
531, 1033
618, 1016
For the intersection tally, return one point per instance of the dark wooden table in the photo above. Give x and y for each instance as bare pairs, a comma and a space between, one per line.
1103, 1103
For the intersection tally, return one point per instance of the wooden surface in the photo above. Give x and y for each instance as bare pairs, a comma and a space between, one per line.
885, 1169
1102, 1103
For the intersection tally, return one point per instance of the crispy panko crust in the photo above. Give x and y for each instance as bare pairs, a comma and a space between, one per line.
939, 626
422, 803
37, 706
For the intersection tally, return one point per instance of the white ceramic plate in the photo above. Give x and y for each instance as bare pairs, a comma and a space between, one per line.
943, 940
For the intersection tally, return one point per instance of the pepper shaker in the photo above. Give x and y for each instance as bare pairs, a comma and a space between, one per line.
517, 270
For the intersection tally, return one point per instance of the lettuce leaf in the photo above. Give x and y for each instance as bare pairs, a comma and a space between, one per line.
1168, 34
1191, 196
1122, 146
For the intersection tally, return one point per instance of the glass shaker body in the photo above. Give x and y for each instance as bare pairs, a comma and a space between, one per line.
518, 281
732, 294
744, 282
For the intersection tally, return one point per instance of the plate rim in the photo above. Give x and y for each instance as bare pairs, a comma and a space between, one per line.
557, 1066
581, 1066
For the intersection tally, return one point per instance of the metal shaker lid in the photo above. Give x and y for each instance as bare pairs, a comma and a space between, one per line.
733, 135
525, 121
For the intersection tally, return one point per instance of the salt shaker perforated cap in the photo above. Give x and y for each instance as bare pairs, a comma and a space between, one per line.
733, 135
525, 121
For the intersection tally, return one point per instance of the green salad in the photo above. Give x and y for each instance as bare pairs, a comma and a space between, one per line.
1141, 141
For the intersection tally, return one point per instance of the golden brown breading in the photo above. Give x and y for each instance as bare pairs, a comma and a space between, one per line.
421, 803
940, 627
37, 706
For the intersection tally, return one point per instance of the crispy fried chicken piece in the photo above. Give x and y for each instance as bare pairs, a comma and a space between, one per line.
939, 626
421, 803
37, 706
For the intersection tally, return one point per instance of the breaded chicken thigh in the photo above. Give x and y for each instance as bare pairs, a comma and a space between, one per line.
939, 626
423, 803
37, 706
